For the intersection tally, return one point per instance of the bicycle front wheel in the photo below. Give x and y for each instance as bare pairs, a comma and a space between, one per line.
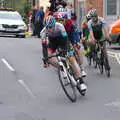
106, 66
68, 87
100, 65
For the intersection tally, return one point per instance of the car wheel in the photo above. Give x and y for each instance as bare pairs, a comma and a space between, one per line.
21, 36
17, 36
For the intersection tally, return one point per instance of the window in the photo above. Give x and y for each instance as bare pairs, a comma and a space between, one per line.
111, 7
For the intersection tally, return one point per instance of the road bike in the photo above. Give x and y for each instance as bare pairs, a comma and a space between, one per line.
100, 58
66, 76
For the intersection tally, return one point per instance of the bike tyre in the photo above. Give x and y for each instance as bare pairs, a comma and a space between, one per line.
72, 97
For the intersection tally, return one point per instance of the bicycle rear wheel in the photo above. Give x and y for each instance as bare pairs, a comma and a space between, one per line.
68, 87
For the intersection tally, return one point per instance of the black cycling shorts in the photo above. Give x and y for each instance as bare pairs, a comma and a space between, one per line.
57, 42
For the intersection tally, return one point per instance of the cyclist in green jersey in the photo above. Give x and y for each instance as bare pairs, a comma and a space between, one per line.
85, 32
98, 29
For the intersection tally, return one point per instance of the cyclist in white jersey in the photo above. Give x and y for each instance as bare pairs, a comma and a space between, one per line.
57, 37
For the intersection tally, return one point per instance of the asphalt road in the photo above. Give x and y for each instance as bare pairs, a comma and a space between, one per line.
30, 92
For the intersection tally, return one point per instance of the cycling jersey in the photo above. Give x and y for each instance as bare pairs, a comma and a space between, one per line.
72, 30
59, 31
57, 38
97, 28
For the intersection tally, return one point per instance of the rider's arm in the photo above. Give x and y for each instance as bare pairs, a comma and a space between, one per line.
84, 26
105, 29
92, 38
43, 34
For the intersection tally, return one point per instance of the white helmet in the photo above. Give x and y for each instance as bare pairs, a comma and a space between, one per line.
59, 6
62, 10
88, 16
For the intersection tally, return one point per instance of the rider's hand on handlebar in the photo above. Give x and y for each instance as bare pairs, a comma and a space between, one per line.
93, 41
109, 41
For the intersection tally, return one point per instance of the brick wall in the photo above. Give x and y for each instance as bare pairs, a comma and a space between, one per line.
98, 4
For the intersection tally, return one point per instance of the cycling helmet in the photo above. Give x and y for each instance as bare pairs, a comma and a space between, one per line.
62, 10
60, 15
50, 21
93, 13
57, 15
88, 16
59, 6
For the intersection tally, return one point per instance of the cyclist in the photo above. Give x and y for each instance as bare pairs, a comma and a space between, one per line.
60, 16
98, 29
85, 32
74, 37
73, 34
57, 37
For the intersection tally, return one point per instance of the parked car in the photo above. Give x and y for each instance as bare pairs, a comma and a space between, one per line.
11, 23
115, 31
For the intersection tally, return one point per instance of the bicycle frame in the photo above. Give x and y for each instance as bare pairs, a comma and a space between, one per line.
66, 69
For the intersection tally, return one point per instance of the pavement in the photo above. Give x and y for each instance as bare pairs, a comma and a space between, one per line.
30, 92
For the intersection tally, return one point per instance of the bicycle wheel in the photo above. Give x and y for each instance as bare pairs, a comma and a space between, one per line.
95, 60
100, 65
89, 58
68, 87
106, 67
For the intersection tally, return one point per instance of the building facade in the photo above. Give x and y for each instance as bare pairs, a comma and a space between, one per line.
43, 3
109, 9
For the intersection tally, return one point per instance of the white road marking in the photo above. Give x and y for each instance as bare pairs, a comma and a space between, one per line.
114, 103
8, 65
19, 81
112, 54
117, 58
26, 87
115, 55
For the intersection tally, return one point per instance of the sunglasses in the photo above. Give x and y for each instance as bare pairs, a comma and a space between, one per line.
49, 27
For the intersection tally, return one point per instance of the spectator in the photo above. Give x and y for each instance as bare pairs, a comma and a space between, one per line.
47, 12
33, 19
69, 10
39, 18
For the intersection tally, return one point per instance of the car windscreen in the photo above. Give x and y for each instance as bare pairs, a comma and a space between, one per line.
10, 15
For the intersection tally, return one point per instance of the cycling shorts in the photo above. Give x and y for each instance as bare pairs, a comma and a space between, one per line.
55, 43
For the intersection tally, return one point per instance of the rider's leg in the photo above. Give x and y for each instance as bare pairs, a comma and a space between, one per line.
77, 73
75, 66
80, 55
52, 61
